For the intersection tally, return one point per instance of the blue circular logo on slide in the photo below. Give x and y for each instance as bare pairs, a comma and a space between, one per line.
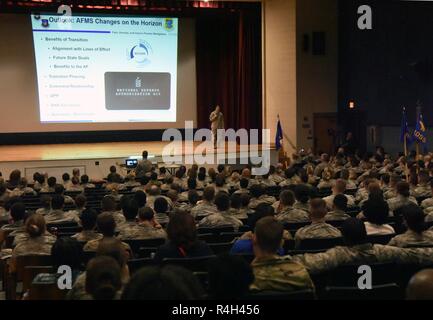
140, 53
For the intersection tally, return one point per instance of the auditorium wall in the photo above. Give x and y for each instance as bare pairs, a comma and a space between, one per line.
317, 74
279, 67
297, 83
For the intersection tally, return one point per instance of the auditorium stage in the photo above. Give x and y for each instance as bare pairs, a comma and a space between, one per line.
96, 158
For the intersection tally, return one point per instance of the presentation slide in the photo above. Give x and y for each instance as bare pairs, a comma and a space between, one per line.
106, 68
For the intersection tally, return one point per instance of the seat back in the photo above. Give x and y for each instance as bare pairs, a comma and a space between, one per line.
30, 272
136, 264
28, 261
216, 230
320, 244
45, 287
380, 239
348, 276
390, 291
137, 244
221, 247
199, 264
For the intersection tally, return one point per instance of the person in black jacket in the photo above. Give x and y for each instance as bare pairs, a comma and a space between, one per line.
182, 239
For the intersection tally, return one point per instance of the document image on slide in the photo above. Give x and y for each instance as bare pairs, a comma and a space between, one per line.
137, 91
106, 68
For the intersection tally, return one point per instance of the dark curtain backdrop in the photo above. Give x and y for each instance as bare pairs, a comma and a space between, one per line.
228, 58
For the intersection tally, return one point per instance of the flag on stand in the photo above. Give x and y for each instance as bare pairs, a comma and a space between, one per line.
279, 135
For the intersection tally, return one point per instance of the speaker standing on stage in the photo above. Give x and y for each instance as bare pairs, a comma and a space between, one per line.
217, 122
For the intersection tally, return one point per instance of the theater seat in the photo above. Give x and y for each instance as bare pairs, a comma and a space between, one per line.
137, 244
380, 239
347, 276
199, 264
136, 264
221, 247
319, 244
390, 291
216, 230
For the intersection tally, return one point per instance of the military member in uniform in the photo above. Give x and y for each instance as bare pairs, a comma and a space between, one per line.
359, 251
108, 205
35, 244
144, 166
302, 196
88, 222
258, 196
217, 122
111, 247
222, 217
427, 203
107, 226
272, 272
286, 213
57, 215
318, 229
339, 188
403, 197
423, 188
339, 208
206, 206
416, 235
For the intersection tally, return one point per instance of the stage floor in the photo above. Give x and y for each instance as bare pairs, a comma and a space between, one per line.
82, 151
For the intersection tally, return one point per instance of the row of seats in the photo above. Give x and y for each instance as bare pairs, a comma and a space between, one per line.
389, 279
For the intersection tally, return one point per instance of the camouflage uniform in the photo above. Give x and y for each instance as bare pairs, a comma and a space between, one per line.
60, 216
43, 211
267, 183
242, 191
18, 192
93, 245
118, 216
19, 225
78, 291
422, 190
239, 213
144, 166
291, 215
22, 235
4, 215
87, 235
330, 201
429, 216
325, 184
363, 254
184, 195
361, 194
302, 206
134, 231
220, 219
203, 209
319, 230
336, 215
391, 193
33, 246
276, 178
351, 185
412, 239
254, 202
427, 203
400, 201
280, 274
